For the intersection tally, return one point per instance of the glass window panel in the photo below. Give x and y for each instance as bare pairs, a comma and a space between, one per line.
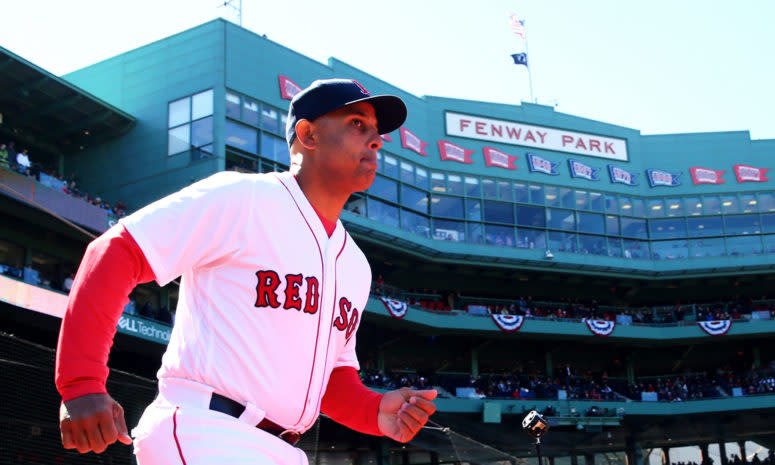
275, 148
499, 235
614, 246
596, 202
391, 167
382, 212
612, 225
693, 206
667, 228
421, 178
270, 119
742, 224
531, 216
611, 204
473, 210
531, 238
232, 105
560, 219
178, 140
769, 243
582, 200
521, 193
742, 245
748, 203
504, 191
674, 207
568, 198
635, 249
283, 122
712, 205
766, 203
472, 187
669, 250
437, 182
768, 222
705, 226
594, 245
451, 207
656, 208
489, 189
202, 132
241, 137
455, 184
179, 112
591, 223
407, 172
638, 207
474, 233
202, 104
384, 188
552, 196
536, 194
499, 212
562, 242
703, 247
414, 223
250, 112
730, 204
625, 205
414, 198
445, 230
632, 227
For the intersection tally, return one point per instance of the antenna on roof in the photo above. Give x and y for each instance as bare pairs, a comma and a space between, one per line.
235, 5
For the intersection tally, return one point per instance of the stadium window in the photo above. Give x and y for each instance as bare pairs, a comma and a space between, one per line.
499, 235
705, 226
632, 227
407, 172
560, 219
178, 139
11, 258
531, 216
638, 208
768, 222
536, 194
528, 238
202, 104
275, 148
656, 208
179, 112
241, 137
612, 225
552, 196
730, 204
669, 250
446, 206
202, 132
233, 106
568, 198
560, 241
489, 189
270, 119
611, 204
445, 230
667, 228
582, 200
472, 187
382, 212
414, 198
384, 188
769, 243
625, 205
473, 210
614, 246
391, 167
766, 203
744, 245
635, 249
499, 212
455, 184
748, 203
742, 225
437, 182
250, 112
712, 204
596, 202
241, 163
504, 191
591, 223
416, 224
474, 233
421, 178
593, 245
712, 247
521, 193
674, 207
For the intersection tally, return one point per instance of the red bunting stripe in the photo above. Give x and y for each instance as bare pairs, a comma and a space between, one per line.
396, 308
716, 327
508, 323
601, 327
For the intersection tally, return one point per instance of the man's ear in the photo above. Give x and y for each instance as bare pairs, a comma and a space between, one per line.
306, 134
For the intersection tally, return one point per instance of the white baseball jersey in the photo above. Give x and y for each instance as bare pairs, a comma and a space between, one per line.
269, 304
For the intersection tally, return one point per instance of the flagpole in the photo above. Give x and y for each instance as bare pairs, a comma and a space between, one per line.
529, 59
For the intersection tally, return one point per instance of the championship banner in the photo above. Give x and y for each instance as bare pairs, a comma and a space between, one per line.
716, 327
453, 152
621, 176
288, 88
396, 308
706, 175
747, 173
494, 157
600, 327
508, 323
542, 165
386, 137
582, 170
412, 142
662, 178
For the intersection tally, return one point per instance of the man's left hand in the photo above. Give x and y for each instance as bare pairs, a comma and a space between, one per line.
403, 412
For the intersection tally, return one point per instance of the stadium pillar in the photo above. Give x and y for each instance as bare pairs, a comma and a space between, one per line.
589, 459
630, 369
722, 449
550, 459
549, 366
743, 456
665, 456
704, 453
634, 452
434, 458
574, 459
381, 360
757, 357
383, 451
474, 362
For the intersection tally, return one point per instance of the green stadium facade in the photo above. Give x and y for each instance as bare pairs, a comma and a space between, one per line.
488, 201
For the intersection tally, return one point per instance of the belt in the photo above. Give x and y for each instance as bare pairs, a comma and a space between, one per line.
231, 407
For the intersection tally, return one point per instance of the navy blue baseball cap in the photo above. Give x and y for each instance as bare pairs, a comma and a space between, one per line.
326, 95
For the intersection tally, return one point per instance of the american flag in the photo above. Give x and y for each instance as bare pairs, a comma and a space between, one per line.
517, 25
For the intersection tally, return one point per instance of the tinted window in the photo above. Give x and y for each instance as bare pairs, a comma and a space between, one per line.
632, 227
414, 223
384, 188
451, 207
499, 235
531, 216
414, 198
591, 223
449, 230
742, 224
242, 137
744, 245
382, 212
560, 219
705, 226
667, 228
531, 238
499, 212
669, 250
699, 248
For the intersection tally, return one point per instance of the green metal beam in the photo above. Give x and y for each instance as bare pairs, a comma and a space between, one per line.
40, 111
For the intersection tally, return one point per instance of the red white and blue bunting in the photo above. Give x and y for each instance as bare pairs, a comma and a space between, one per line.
508, 323
716, 327
396, 308
600, 327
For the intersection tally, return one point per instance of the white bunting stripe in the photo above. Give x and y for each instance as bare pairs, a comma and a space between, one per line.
396, 308
600, 327
716, 327
508, 323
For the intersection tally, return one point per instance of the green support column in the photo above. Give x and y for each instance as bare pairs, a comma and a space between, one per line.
549, 366
589, 459
381, 360
634, 452
722, 448
743, 457
704, 453
434, 458
665, 456
383, 451
474, 362
757, 357
551, 460
630, 370
574, 459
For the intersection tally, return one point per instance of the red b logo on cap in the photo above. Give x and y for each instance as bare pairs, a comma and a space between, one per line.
365, 92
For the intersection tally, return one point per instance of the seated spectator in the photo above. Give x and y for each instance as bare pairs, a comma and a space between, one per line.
4, 160
68, 282
23, 163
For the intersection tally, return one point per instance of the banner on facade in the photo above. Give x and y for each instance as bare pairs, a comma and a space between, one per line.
542, 165
662, 178
600, 327
454, 152
747, 173
494, 157
508, 323
706, 175
582, 170
621, 176
716, 327
412, 142
395, 308
288, 88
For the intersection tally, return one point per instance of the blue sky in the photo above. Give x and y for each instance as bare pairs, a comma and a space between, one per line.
655, 66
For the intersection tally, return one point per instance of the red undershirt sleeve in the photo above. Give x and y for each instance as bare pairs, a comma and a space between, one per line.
349, 402
111, 267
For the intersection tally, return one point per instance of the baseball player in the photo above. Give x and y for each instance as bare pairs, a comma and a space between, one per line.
271, 297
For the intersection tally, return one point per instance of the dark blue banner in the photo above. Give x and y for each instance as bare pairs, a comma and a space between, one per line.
582, 170
542, 165
662, 178
621, 176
